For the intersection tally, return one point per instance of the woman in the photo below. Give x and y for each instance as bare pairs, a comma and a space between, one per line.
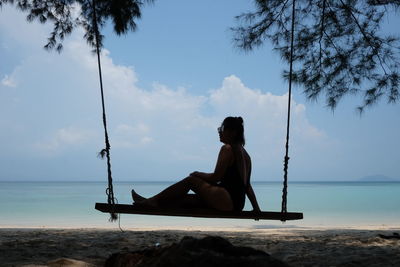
224, 189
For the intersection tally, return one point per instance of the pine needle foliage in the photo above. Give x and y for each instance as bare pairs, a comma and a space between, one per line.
67, 15
339, 46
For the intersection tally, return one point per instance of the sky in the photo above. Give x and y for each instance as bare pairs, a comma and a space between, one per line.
168, 86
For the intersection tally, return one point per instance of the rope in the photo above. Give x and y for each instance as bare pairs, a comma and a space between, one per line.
106, 150
286, 159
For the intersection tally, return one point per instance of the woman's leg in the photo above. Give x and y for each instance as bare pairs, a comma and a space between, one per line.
213, 196
178, 190
188, 201
216, 197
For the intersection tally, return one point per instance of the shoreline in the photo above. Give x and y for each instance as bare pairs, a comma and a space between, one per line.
295, 246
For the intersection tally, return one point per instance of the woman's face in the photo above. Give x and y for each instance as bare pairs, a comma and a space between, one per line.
226, 136
221, 133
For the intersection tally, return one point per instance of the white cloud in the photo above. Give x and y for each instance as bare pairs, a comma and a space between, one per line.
159, 123
182, 110
13, 24
265, 114
146, 140
62, 138
9, 81
127, 136
140, 128
172, 122
12, 79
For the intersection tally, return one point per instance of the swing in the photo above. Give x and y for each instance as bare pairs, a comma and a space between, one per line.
115, 209
200, 213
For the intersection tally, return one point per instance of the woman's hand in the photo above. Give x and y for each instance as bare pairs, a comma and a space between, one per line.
256, 210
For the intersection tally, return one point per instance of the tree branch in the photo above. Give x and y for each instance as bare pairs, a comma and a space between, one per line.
365, 35
322, 32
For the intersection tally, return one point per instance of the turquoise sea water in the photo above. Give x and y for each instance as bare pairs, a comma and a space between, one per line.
71, 204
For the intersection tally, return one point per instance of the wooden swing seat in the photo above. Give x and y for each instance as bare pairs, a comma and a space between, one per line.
202, 213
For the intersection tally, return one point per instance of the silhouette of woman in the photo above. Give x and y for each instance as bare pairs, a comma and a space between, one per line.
224, 189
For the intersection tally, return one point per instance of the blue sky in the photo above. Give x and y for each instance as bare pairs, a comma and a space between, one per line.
168, 87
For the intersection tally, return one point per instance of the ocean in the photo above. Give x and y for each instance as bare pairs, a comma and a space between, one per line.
324, 204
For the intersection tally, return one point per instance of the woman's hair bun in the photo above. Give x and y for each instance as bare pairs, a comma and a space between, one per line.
236, 124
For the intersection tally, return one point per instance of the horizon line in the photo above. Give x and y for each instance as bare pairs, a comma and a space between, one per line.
173, 181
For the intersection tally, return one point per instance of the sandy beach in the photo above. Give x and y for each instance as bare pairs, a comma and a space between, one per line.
297, 247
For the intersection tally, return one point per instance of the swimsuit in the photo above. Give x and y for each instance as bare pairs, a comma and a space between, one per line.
233, 183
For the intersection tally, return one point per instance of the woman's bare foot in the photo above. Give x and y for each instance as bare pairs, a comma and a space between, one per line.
136, 197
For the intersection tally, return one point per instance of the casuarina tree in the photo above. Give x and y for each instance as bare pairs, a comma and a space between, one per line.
67, 15
340, 48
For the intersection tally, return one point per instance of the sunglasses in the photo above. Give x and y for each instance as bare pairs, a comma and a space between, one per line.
220, 129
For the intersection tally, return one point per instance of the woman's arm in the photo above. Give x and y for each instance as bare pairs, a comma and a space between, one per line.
252, 197
225, 158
